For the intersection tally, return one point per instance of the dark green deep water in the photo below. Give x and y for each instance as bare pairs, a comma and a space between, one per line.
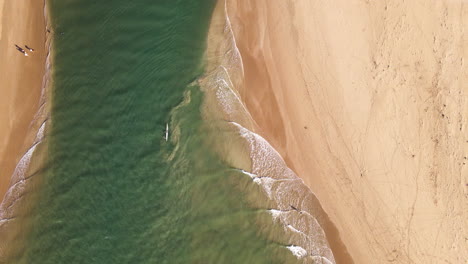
114, 191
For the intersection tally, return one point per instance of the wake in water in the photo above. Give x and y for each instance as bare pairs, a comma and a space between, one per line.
293, 205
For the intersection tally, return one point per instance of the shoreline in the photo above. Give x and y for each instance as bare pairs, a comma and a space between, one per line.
22, 79
310, 234
22, 150
370, 113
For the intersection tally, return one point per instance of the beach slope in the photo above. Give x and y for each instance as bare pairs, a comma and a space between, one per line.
21, 80
367, 102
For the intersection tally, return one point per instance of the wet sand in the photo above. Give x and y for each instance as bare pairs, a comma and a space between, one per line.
21, 79
367, 103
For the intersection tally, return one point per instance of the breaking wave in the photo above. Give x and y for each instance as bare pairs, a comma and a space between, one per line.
293, 205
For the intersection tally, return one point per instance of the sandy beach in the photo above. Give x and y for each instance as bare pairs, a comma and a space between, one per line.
21, 80
367, 103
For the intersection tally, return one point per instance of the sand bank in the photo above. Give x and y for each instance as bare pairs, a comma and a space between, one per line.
21, 80
290, 203
367, 102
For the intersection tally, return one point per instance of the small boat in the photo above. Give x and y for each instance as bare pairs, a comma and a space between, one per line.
167, 132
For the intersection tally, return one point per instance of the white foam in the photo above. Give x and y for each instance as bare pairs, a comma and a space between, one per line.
266, 183
294, 229
230, 87
223, 93
40, 133
16, 189
227, 97
251, 175
23, 164
320, 259
265, 159
233, 42
268, 170
297, 251
275, 213
18, 180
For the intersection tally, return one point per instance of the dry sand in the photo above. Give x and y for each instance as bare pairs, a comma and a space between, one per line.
22, 23
367, 101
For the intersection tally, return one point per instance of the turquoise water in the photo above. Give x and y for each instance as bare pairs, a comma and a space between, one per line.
114, 191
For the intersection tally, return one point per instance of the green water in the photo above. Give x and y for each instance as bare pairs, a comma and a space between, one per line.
114, 190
